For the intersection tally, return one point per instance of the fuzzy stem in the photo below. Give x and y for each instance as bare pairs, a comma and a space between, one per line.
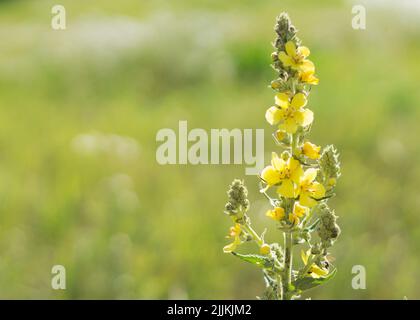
279, 288
288, 263
294, 143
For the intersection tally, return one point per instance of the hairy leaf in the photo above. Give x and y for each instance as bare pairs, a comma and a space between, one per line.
256, 259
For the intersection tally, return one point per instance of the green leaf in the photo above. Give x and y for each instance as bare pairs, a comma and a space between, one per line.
256, 259
307, 283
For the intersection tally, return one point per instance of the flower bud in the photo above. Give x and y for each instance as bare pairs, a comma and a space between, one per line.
265, 249
285, 31
238, 202
280, 135
329, 164
328, 229
276, 214
285, 155
311, 150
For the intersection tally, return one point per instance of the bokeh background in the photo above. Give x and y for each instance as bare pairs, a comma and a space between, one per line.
80, 109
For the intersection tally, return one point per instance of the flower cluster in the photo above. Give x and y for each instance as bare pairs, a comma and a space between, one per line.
298, 182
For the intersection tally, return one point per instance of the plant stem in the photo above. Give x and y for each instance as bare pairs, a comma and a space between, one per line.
279, 288
254, 235
293, 144
288, 263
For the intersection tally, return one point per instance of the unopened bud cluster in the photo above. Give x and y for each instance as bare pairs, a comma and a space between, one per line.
238, 198
328, 229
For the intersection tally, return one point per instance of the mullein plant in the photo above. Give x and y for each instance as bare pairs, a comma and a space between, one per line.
298, 183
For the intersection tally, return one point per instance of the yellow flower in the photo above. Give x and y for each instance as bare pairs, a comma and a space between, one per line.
285, 173
311, 150
289, 113
310, 190
234, 232
265, 249
298, 212
276, 214
308, 77
295, 58
314, 271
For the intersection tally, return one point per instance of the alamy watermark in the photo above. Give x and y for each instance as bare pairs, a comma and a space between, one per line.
220, 146
58, 281
58, 20
359, 280
358, 21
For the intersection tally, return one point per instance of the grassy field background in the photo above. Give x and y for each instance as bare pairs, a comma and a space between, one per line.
79, 112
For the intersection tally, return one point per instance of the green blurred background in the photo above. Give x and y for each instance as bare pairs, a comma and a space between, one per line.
80, 109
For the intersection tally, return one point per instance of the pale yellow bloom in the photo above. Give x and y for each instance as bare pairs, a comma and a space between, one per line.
295, 58
234, 232
286, 173
289, 113
309, 190
311, 150
314, 271
298, 212
276, 214
308, 77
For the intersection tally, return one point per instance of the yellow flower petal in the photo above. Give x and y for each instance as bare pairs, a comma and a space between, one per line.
285, 59
234, 231
304, 255
299, 210
299, 100
294, 219
278, 163
308, 117
286, 189
232, 246
317, 272
306, 200
295, 169
273, 115
276, 214
293, 164
270, 175
289, 125
309, 175
308, 77
304, 51
290, 48
296, 174
311, 150
282, 100
318, 190
237, 228
307, 66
